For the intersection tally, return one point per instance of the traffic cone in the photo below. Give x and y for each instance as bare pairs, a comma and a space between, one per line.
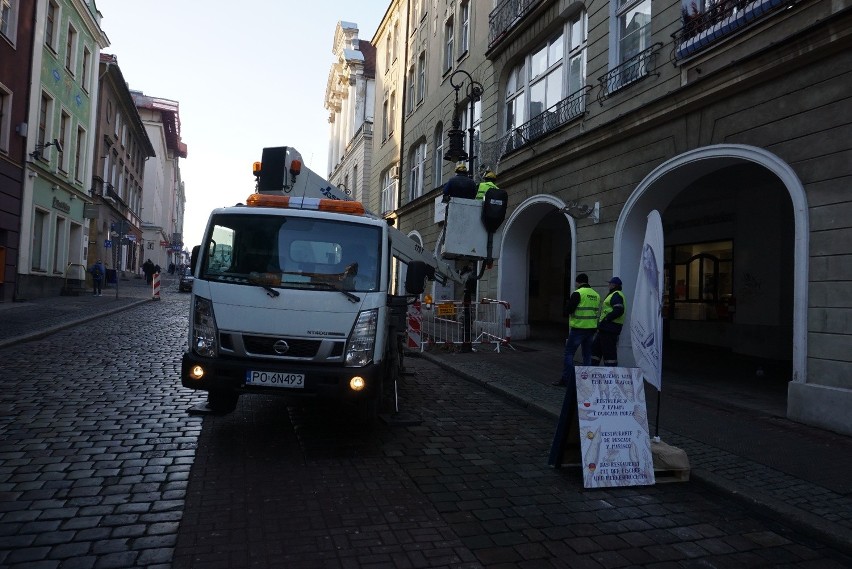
156, 286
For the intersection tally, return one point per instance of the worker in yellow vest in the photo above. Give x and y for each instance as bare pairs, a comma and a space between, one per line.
488, 182
605, 347
583, 307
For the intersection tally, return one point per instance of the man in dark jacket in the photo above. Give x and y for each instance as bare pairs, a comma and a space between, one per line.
148, 269
460, 186
98, 271
605, 347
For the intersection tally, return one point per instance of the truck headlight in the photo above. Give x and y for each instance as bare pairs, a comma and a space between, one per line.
362, 339
204, 328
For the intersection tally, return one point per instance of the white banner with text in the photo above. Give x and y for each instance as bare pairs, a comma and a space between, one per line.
613, 419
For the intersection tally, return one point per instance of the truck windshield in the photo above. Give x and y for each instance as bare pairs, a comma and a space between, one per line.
292, 252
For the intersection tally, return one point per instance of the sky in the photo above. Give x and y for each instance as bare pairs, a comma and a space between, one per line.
247, 75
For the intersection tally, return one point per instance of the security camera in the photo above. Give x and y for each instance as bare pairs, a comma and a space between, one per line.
58, 145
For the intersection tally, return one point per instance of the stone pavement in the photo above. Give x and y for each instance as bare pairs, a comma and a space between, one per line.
730, 423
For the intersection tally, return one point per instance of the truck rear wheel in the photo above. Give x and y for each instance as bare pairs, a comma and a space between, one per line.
222, 400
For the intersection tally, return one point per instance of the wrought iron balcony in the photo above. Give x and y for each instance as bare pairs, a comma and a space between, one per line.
721, 18
556, 116
506, 16
637, 67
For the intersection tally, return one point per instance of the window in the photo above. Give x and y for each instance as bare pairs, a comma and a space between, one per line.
465, 125
699, 281
71, 50
87, 64
541, 79
5, 117
417, 159
9, 19
37, 253
449, 37
45, 125
438, 160
64, 136
79, 154
634, 28
395, 40
464, 17
59, 246
355, 194
409, 103
389, 190
421, 76
388, 52
385, 132
392, 112
52, 20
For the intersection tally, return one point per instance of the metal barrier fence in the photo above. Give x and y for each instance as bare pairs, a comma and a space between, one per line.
442, 324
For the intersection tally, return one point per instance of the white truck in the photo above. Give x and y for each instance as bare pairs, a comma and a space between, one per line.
295, 294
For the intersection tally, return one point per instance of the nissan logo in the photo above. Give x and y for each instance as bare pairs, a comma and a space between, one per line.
281, 347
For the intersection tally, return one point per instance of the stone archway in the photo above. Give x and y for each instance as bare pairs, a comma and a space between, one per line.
660, 187
514, 255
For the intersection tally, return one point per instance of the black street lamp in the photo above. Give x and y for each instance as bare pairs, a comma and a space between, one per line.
456, 153
455, 136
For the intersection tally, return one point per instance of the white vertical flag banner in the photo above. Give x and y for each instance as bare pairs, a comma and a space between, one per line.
646, 319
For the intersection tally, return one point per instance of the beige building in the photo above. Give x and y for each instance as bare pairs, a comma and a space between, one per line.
164, 195
350, 99
732, 119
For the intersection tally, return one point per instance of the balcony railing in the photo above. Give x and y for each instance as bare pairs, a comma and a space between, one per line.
637, 67
559, 114
720, 19
506, 16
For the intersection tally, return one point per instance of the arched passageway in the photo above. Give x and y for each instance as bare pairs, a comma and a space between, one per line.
735, 223
534, 272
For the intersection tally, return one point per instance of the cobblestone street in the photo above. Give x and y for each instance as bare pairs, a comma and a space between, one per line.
101, 466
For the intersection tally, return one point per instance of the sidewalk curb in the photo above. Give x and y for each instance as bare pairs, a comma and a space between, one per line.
59, 327
806, 522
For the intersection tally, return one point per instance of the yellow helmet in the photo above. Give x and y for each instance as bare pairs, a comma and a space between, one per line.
489, 175
461, 167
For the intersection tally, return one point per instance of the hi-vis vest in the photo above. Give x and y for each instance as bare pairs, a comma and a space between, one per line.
607, 307
586, 314
484, 187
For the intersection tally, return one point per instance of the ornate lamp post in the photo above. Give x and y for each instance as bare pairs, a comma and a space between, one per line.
456, 153
455, 136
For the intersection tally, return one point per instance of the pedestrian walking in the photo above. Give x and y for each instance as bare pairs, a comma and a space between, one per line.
148, 269
605, 346
461, 185
98, 271
583, 306
489, 180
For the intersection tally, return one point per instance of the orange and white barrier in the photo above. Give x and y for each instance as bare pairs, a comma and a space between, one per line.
155, 285
414, 322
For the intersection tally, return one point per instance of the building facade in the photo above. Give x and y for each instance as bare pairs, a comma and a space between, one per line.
122, 149
350, 99
53, 246
732, 119
17, 27
163, 194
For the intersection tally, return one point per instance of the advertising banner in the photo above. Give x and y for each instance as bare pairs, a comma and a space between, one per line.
614, 439
646, 319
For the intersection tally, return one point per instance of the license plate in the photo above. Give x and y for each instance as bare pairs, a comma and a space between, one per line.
275, 379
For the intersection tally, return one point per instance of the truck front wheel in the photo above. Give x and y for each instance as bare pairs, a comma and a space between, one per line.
222, 400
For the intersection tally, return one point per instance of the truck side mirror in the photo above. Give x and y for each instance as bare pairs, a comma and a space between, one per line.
194, 257
416, 275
